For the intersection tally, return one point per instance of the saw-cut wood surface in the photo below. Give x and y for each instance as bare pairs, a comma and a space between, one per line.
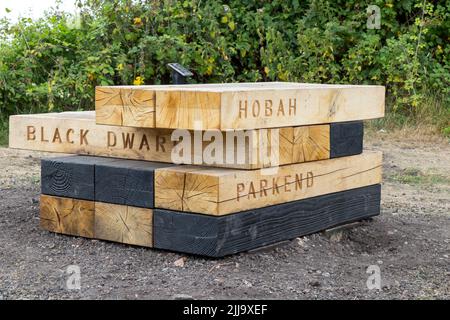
217, 191
346, 138
70, 176
77, 133
302, 144
124, 224
67, 216
109, 180
220, 236
125, 107
97, 220
126, 182
237, 106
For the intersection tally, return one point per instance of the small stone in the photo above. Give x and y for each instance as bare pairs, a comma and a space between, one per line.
301, 242
336, 237
180, 262
326, 274
182, 296
315, 283
379, 262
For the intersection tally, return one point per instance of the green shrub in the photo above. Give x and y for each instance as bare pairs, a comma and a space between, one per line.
54, 63
3, 131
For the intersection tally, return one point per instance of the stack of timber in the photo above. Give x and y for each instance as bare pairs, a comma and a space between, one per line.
155, 166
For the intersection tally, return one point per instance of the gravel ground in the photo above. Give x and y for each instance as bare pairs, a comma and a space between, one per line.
409, 242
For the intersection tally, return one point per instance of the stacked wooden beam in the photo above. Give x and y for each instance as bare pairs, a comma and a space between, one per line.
242, 200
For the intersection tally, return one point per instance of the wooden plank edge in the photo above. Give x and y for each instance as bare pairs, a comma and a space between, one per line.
97, 220
220, 236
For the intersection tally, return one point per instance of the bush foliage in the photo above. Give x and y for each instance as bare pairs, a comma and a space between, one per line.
55, 62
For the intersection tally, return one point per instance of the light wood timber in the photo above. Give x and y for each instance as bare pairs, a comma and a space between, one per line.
237, 106
217, 191
67, 216
77, 133
124, 224
97, 220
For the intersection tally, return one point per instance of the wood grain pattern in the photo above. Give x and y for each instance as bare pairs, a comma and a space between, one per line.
126, 182
182, 109
124, 224
302, 144
135, 106
221, 236
77, 133
248, 106
314, 104
346, 138
67, 216
125, 107
216, 191
71, 176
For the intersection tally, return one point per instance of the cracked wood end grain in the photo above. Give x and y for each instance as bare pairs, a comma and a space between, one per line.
124, 224
67, 216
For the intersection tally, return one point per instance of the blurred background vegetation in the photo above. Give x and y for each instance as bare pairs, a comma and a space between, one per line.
54, 63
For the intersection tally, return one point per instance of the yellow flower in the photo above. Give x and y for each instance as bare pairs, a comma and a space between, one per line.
231, 25
137, 21
138, 81
209, 70
224, 19
120, 67
439, 50
283, 76
389, 5
266, 70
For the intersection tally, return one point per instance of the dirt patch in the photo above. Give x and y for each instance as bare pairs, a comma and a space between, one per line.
409, 241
